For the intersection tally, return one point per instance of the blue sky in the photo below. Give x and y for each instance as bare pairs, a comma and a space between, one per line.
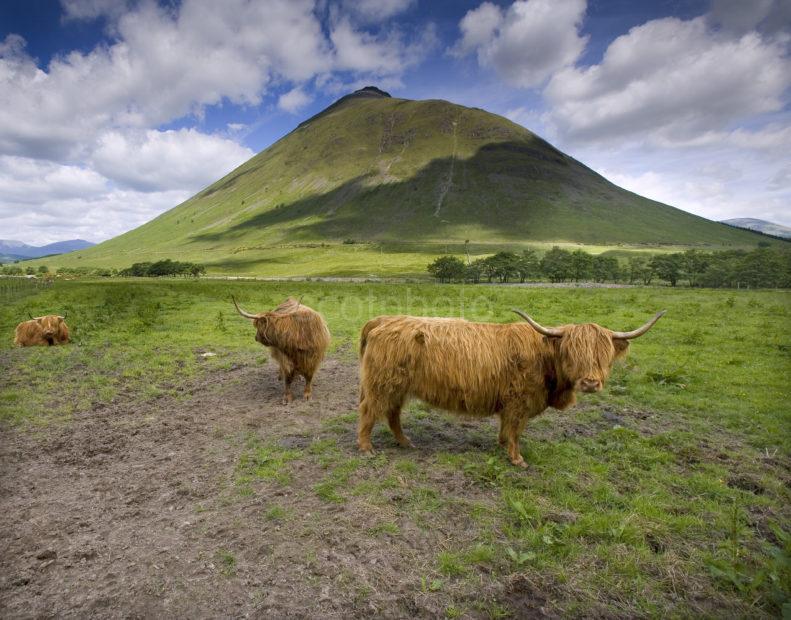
114, 111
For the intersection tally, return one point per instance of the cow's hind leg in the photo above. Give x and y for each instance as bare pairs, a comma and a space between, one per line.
308, 386
289, 379
366, 425
394, 420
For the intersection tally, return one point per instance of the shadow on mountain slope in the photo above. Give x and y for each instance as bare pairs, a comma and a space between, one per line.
516, 190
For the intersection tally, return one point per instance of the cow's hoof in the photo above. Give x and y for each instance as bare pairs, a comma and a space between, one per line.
367, 450
520, 463
407, 444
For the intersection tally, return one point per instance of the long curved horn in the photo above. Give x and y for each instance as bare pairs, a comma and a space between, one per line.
640, 330
64, 316
554, 332
246, 315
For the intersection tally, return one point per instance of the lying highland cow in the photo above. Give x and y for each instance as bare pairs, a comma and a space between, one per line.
513, 370
297, 337
44, 330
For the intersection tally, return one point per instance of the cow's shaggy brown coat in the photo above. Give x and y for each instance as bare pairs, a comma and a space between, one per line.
297, 337
42, 331
511, 370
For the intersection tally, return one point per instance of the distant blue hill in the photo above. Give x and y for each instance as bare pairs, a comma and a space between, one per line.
768, 228
16, 250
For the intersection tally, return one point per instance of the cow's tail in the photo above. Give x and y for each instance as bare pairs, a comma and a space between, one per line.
366, 330
364, 335
363, 342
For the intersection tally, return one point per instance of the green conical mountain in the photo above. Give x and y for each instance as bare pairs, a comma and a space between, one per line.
409, 177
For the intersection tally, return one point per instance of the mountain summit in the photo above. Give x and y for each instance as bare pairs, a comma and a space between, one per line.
375, 168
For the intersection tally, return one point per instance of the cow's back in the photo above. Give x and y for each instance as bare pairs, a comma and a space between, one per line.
451, 363
317, 333
28, 333
301, 337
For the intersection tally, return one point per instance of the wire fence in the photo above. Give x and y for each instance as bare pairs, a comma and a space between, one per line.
15, 288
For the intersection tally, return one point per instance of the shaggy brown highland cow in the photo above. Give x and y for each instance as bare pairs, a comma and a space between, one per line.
297, 337
43, 330
514, 370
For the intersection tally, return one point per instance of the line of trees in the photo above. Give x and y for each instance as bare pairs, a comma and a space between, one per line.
162, 268
760, 268
557, 265
17, 270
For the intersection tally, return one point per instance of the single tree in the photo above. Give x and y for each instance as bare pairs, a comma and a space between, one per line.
556, 265
527, 265
667, 267
447, 268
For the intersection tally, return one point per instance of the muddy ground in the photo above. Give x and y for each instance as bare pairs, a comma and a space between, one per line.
136, 510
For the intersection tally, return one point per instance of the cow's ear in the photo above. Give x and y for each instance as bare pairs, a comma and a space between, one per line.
621, 346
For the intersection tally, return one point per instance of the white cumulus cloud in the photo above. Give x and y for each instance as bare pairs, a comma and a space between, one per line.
526, 43
43, 202
25, 181
164, 65
382, 54
89, 124
711, 195
91, 9
154, 160
372, 11
672, 80
293, 101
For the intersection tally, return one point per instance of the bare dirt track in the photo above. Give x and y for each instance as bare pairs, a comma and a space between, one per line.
134, 510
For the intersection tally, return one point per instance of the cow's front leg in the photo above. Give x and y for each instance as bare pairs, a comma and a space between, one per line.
502, 437
513, 423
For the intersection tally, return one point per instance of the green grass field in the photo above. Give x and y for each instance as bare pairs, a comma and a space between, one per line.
358, 260
667, 494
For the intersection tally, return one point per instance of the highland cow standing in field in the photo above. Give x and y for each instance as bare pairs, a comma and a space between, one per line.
514, 371
297, 337
42, 331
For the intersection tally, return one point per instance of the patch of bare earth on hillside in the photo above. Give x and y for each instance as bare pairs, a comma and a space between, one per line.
225, 503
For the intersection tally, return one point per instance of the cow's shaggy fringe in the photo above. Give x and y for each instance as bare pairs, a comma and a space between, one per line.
297, 337
588, 350
509, 370
42, 331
